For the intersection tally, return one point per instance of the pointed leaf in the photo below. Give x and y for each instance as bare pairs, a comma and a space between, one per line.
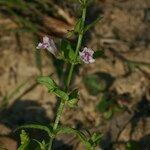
72, 103
40, 127
105, 103
25, 140
71, 55
42, 145
96, 138
73, 98
48, 82
70, 34
52, 87
68, 52
79, 25
108, 114
64, 47
61, 94
81, 1
90, 143
94, 84
74, 94
68, 130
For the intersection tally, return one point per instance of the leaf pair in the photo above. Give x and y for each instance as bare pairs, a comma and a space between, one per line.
52, 87
71, 98
47, 129
25, 140
91, 142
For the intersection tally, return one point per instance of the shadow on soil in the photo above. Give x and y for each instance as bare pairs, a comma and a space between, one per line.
141, 113
27, 112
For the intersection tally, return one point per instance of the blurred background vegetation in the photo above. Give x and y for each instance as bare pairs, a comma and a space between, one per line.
115, 91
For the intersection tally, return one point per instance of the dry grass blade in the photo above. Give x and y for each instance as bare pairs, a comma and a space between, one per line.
21, 90
37, 16
56, 26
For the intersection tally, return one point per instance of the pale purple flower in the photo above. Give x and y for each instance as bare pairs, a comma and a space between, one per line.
87, 55
48, 44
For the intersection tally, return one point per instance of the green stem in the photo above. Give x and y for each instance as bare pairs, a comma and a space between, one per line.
50, 143
62, 103
77, 48
70, 75
59, 112
58, 115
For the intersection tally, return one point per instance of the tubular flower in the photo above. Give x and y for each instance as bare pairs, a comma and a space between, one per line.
87, 55
48, 44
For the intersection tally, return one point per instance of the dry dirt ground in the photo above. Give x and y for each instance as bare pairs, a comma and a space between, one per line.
124, 34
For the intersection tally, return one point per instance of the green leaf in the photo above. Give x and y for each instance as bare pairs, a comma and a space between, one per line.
49, 129
25, 140
84, 3
61, 94
74, 94
73, 98
118, 109
95, 139
108, 114
68, 130
81, 1
94, 84
42, 145
48, 82
70, 34
68, 53
79, 26
65, 45
88, 142
72, 103
71, 55
105, 103
52, 87
132, 145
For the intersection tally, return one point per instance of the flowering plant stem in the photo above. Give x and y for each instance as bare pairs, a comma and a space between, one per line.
62, 103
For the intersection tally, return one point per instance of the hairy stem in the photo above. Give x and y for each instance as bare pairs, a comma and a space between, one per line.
62, 103
58, 115
77, 48
50, 143
59, 112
